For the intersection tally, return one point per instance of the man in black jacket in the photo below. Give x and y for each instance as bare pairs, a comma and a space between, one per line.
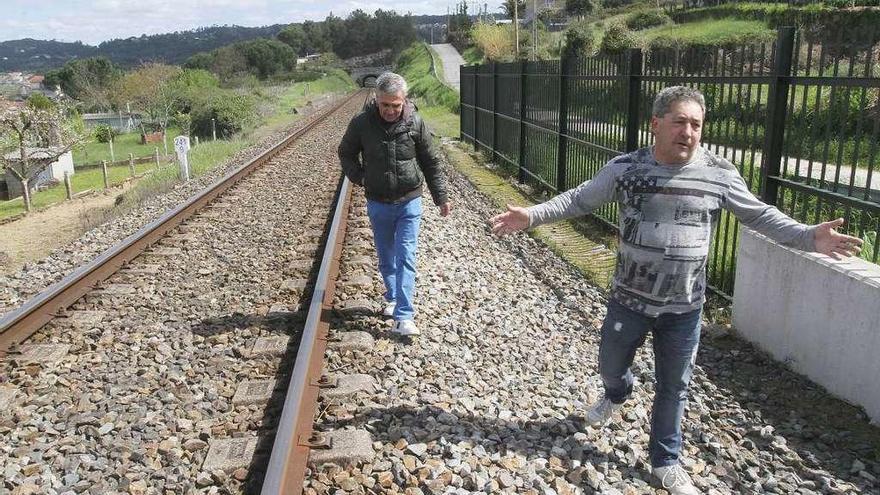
387, 149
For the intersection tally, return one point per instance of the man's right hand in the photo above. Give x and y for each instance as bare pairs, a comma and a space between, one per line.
516, 218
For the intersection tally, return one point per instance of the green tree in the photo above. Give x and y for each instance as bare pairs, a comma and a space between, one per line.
294, 36
189, 86
507, 8
148, 89
460, 27
35, 135
267, 57
317, 40
580, 8
87, 80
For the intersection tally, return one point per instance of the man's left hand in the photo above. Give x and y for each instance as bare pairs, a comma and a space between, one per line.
834, 244
445, 208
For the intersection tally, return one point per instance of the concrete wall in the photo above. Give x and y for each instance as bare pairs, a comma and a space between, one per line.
818, 315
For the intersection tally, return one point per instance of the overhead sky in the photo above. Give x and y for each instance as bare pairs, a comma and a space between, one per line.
94, 21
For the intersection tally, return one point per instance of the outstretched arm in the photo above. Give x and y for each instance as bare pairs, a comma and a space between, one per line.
768, 220
516, 218
572, 203
834, 244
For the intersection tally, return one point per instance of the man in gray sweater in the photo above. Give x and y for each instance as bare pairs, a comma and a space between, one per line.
669, 195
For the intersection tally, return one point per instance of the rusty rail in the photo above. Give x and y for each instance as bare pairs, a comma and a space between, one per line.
293, 438
24, 321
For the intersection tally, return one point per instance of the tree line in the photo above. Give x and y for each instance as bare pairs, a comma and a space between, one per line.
358, 34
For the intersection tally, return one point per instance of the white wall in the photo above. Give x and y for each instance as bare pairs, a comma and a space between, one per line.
54, 171
819, 316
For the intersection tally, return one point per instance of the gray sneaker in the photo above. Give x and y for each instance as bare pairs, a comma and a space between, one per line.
601, 412
675, 480
405, 328
388, 309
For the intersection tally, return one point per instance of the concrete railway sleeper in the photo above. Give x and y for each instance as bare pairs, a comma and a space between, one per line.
161, 366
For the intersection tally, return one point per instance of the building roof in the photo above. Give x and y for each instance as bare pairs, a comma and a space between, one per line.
33, 154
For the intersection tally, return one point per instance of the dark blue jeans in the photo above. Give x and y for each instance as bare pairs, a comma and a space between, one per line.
676, 338
396, 234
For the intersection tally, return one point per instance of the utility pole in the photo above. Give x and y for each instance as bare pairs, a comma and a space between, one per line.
535, 30
516, 27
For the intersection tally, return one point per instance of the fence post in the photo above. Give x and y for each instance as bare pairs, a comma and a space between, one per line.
104, 173
522, 127
633, 100
477, 107
131, 164
157, 158
462, 76
67, 185
777, 101
562, 127
494, 108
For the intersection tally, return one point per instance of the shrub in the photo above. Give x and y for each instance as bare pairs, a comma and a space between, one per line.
495, 41
580, 41
104, 133
231, 113
645, 19
305, 75
617, 39
611, 4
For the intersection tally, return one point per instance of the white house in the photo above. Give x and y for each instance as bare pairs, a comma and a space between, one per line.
54, 172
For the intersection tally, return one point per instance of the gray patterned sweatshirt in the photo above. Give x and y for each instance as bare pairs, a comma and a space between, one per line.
666, 218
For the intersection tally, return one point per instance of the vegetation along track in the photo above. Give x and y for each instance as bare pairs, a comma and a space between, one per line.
150, 369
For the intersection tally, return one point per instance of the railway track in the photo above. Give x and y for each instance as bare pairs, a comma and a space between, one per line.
163, 365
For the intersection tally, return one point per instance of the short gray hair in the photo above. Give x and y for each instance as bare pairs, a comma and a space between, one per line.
674, 94
390, 83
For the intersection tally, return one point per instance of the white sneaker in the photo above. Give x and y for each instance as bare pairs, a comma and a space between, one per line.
675, 480
601, 412
405, 327
388, 310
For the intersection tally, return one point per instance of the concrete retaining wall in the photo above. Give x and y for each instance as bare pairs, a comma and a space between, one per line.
818, 315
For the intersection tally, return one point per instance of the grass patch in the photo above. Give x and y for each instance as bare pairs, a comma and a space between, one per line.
281, 101
414, 64
276, 112
440, 120
710, 32
94, 152
473, 55
80, 181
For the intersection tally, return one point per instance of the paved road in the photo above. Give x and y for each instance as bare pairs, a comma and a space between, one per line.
450, 60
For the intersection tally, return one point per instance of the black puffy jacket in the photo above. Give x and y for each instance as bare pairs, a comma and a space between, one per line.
391, 161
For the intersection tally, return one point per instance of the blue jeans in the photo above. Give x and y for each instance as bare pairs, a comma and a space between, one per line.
676, 338
396, 234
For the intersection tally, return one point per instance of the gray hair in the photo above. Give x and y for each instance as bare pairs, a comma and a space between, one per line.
674, 94
390, 83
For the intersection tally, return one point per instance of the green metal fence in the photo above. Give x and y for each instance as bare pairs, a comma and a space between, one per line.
800, 121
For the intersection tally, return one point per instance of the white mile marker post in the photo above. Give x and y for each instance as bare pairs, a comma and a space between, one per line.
181, 145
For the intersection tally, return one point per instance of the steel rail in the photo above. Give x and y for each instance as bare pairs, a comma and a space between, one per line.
293, 438
24, 321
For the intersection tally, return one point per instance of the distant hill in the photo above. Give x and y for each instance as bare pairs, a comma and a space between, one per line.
34, 55
174, 48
